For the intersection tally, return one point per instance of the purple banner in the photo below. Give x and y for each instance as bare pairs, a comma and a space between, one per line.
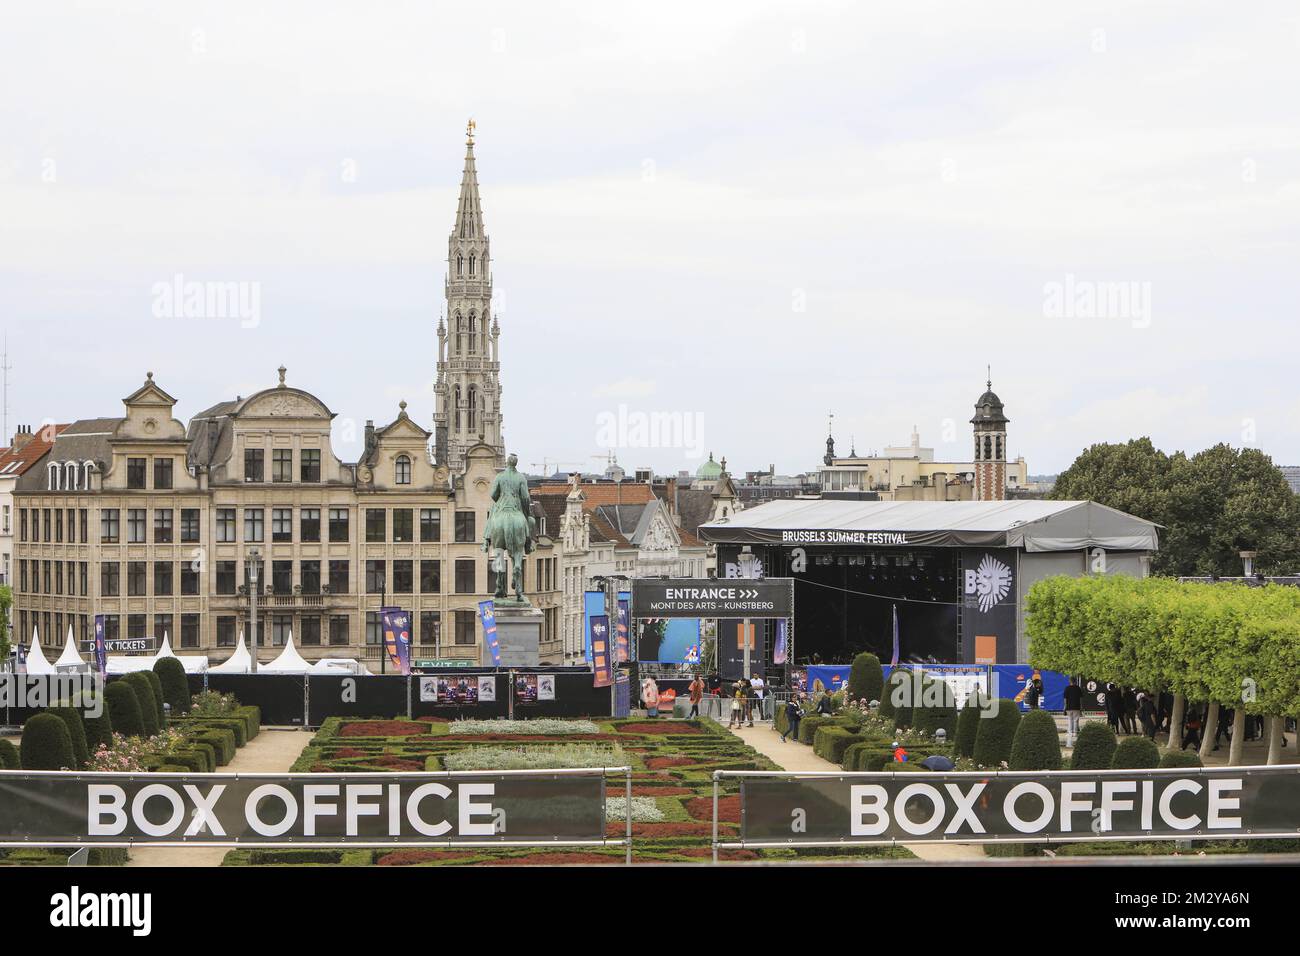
101, 647
488, 613
601, 659
396, 624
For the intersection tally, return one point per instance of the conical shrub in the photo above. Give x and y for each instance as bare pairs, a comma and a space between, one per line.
996, 733
1036, 745
76, 733
148, 704
47, 745
1094, 748
175, 685
123, 709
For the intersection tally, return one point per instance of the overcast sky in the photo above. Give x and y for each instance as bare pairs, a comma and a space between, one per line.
747, 215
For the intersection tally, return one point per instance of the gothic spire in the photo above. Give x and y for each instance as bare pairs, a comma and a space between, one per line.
469, 212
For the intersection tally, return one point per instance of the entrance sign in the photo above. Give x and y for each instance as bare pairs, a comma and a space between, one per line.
302, 809
712, 597
1056, 806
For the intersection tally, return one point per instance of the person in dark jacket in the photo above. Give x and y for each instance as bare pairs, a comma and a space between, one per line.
1114, 704
1073, 710
793, 714
1128, 716
1147, 714
1192, 728
824, 705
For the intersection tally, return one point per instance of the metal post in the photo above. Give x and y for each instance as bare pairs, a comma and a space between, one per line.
254, 557
715, 816
628, 806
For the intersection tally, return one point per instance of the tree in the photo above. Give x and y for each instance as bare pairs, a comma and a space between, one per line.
6, 603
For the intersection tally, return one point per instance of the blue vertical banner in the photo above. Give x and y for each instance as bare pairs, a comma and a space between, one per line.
593, 603
623, 695
487, 612
779, 649
101, 647
620, 633
602, 661
396, 624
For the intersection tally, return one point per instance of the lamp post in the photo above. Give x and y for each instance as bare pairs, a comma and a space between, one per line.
252, 561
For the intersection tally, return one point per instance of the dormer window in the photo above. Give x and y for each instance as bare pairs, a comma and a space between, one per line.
53, 476
402, 470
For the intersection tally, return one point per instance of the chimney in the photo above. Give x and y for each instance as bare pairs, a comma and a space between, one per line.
22, 437
370, 437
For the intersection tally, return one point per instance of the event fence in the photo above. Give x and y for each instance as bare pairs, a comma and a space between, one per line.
889, 808
490, 808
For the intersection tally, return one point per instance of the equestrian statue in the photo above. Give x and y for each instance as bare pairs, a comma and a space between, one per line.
511, 528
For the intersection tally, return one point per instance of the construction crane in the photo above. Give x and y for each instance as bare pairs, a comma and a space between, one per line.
546, 464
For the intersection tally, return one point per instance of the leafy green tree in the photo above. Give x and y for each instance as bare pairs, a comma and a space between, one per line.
6, 604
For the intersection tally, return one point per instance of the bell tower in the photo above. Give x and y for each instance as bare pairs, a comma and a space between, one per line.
467, 392
990, 446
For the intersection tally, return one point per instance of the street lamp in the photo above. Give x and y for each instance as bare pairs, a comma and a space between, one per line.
253, 561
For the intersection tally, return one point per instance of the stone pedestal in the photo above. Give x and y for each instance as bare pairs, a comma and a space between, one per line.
519, 634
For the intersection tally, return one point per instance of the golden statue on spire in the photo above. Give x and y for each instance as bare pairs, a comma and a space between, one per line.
469, 132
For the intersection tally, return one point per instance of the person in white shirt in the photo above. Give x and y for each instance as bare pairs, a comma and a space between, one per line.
756, 687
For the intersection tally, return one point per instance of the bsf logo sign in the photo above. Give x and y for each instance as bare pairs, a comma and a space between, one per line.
988, 584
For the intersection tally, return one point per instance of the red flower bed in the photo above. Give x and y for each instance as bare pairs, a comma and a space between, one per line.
659, 791
707, 852
382, 728
411, 857
666, 727
322, 768
397, 763
701, 808
663, 763
349, 752
556, 859
520, 738
660, 829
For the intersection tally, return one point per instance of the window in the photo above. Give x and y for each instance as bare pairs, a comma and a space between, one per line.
58, 525
430, 577
135, 626
282, 464
135, 470
163, 626
282, 577
465, 576
189, 630
72, 525
465, 526
403, 529
402, 577
22, 524
108, 525
112, 627
310, 466
137, 579
189, 525
375, 577
83, 572
85, 526
281, 524
338, 524
430, 524
72, 577
162, 526
225, 577
45, 525
58, 580
162, 578
402, 470
465, 631
309, 575
254, 464
309, 632
225, 632
374, 632
309, 524
253, 524
226, 525
375, 524
189, 578
338, 577
162, 473
281, 627
430, 627
338, 630
135, 525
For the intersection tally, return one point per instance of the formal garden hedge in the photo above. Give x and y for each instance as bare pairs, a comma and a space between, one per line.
1036, 744
1135, 753
996, 733
1094, 748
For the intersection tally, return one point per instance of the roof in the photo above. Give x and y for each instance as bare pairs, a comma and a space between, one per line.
1035, 525
15, 461
601, 493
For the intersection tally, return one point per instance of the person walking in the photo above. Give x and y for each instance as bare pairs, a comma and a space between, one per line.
793, 714
737, 705
760, 688
1129, 715
696, 693
1113, 707
1147, 714
1192, 729
1073, 710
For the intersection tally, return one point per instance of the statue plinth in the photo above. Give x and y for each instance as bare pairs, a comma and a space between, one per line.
519, 634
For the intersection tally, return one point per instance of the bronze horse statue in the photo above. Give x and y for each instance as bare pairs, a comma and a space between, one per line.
510, 528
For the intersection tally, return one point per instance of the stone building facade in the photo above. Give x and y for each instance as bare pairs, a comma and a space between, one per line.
155, 525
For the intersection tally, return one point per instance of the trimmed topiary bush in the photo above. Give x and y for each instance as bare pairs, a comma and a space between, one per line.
829, 743
99, 729
995, 734
968, 722
47, 745
866, 679
9, 759
123, 709
897, 676
1094, 748
939, 708
1036, 745
1136, 753
139, 683
155, 684
76, 733
1180, 758
175, 685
